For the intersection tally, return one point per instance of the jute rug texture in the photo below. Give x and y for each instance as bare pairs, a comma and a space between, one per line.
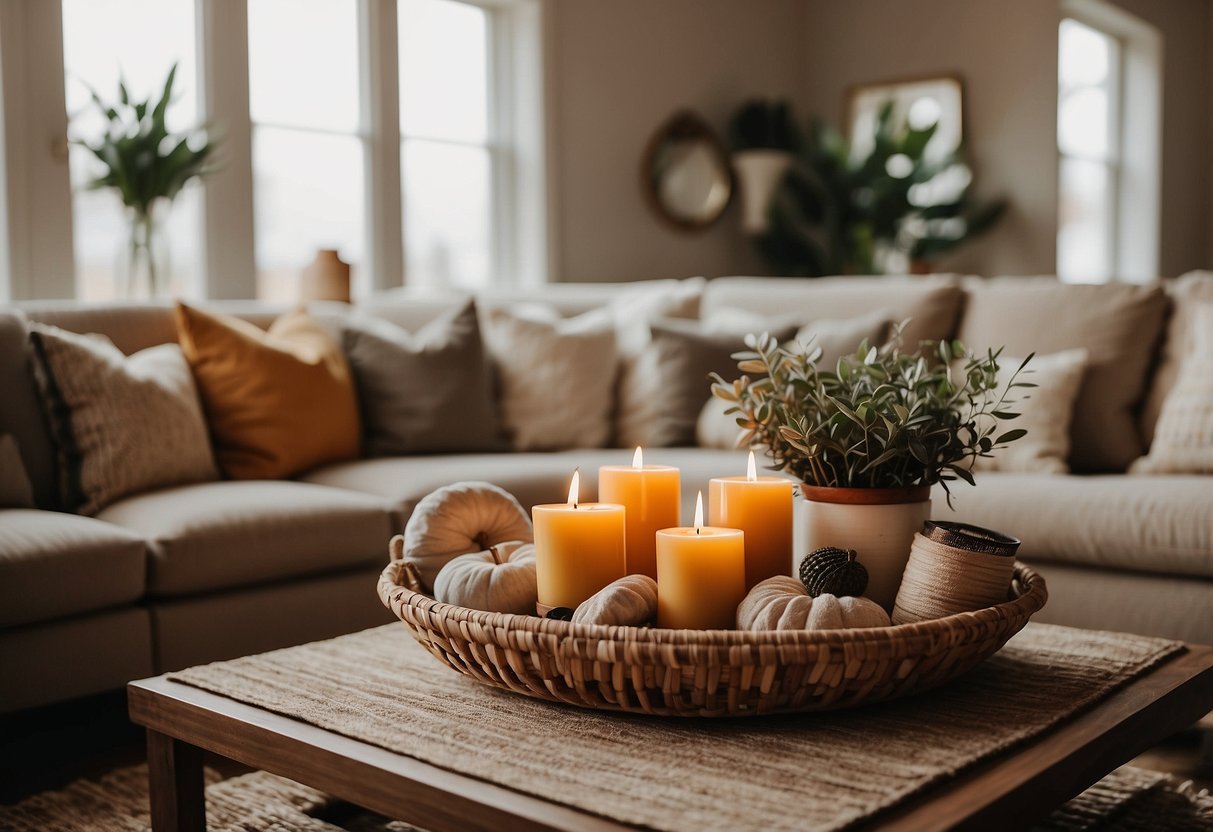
1128, 800
818, 771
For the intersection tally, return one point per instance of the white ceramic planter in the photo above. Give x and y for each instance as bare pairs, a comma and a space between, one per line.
759, 173
878, 523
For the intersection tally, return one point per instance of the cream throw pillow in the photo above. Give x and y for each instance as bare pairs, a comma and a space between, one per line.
556, 377
122, 425
1046, 412
1183, 438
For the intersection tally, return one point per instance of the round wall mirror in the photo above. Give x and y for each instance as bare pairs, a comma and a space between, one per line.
686, 174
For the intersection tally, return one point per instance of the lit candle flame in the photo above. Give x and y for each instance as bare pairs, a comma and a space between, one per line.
751, 473
638, 459
573, 487
699, 513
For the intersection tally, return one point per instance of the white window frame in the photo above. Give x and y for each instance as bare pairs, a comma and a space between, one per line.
37, 221
1135, 150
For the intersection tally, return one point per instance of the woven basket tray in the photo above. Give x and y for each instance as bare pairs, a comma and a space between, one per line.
705, 672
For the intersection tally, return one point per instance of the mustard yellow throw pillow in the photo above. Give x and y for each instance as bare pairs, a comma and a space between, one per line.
276, 402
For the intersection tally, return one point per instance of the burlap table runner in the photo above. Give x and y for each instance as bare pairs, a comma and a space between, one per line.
818, 771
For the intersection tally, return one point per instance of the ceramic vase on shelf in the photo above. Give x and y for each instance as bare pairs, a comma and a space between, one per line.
878, 523
143, 268
327, 277
759, 173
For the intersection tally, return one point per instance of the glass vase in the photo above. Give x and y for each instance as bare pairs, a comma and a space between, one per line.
143, 266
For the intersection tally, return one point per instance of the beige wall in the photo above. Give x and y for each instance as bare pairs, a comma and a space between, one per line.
624, 66
621, 68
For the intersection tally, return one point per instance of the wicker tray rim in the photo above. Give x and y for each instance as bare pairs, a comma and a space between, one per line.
1027, 583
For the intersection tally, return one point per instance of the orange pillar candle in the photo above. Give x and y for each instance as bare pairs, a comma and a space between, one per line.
579, 549
700, 575
651, 496
762, 508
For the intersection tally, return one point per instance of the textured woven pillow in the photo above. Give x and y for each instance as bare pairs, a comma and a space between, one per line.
556, 377
427, 392
121, 425
1046, 412
837, 337
15, 488
277, 402
1183, 438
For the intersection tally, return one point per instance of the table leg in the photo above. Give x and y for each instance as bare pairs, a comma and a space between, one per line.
175, 784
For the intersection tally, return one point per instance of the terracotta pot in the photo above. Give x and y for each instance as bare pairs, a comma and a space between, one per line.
878, 523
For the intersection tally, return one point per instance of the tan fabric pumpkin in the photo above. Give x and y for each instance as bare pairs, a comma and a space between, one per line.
782, 603
499, 579
628, 602
460, 519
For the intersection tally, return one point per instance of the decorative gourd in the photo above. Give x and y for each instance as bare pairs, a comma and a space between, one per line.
781, 603
459, 519
499, 579
630, 601
833, 571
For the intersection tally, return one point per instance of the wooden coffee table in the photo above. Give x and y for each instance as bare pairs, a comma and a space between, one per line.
1007, 792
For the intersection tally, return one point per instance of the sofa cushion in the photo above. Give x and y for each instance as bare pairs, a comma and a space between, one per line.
15, 488
224, 534
21, 415
1148, 524
277, 402
427, 392
122, 424
531, 477
54, 564
1183, 436
556, 377
1185, 294
1118, 324
932, 303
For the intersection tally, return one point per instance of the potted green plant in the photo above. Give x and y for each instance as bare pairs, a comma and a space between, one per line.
147, 165
897, 208
868, 437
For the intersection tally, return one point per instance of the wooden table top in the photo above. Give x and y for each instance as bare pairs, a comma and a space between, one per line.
1009, 791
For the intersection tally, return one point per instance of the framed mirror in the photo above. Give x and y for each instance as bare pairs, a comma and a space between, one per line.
685, 174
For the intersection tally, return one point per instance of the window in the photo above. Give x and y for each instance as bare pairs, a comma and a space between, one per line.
1108, 97
136, 41
1087, 139
307, 138
407, 134
447, 160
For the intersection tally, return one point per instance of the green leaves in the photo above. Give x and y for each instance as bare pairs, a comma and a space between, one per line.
141, 159
879, 418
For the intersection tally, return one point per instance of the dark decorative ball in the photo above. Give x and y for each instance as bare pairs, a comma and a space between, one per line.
833, 571
560, 614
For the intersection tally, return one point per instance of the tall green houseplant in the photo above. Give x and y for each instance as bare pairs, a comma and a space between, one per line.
147, 165
837, 213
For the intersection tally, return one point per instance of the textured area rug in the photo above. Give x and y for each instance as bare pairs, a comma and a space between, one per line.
1128, 800
835, 769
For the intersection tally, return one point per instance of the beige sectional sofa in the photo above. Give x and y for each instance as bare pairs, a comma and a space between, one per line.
208, 571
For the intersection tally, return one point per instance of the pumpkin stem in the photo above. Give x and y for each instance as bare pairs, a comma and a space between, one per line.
851, 555
496, 556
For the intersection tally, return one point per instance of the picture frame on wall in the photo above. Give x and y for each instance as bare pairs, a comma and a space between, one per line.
920, 101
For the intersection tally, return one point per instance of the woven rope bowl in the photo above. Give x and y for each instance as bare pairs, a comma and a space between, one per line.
705, 673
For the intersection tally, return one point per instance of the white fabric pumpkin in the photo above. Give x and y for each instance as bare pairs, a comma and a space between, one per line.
630, 601
459, 519
499, 579
782, 603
